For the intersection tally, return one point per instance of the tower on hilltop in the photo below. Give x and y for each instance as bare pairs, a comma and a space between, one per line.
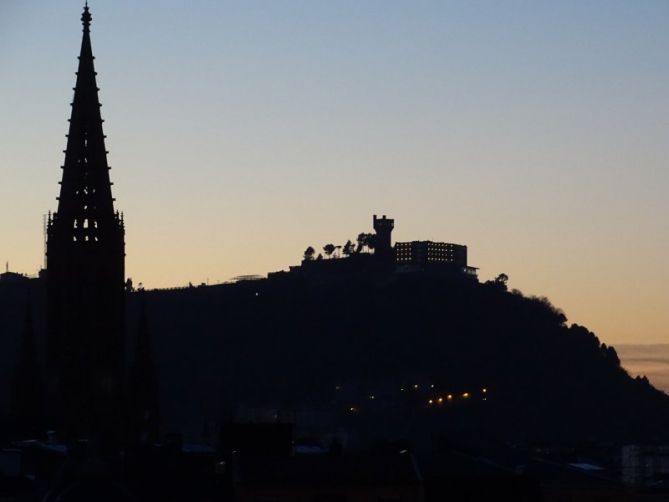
384, 228
85, 256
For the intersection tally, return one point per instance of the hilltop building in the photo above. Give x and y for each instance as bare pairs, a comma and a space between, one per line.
383, 227
418, 255
441, 258
422, 254
426, 252
85, 260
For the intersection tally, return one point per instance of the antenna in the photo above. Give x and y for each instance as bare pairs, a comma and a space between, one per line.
44, 227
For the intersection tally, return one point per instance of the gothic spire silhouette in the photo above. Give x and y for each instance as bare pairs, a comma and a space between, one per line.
85, 272
85, 204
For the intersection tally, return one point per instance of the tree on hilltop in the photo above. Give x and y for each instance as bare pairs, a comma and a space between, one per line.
329, 249
367, 241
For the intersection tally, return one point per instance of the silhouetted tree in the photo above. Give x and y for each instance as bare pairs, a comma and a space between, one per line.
361, 239
502, 279
559, 313
371, 242
348, 248
365, 241
329, 249
499, 282
611, 354
309, 253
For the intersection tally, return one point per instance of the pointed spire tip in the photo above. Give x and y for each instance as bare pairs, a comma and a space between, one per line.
86, 17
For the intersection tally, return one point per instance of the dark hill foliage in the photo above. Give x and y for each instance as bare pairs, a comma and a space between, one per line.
292, 340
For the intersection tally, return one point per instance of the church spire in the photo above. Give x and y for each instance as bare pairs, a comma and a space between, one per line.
85, 205
85, 272
86, 17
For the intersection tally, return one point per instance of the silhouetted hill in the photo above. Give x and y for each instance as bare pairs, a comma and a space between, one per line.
384, 344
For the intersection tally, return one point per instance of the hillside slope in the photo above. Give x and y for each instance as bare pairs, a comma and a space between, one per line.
332, 342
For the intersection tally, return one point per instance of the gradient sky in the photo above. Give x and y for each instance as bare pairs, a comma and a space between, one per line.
535, 132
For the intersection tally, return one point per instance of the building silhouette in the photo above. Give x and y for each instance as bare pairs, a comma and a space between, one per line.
384, 258
27, 408
383, 227
436, 256
143, 406
85, 274
426, 252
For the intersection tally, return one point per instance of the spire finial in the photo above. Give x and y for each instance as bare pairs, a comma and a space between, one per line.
86, 17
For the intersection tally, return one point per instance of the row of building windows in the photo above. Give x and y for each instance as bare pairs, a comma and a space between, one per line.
427, 251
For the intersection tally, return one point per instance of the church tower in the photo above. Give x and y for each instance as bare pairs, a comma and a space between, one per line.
85, 258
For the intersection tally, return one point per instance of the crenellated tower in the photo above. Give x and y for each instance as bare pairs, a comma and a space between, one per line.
383, 246
85, 259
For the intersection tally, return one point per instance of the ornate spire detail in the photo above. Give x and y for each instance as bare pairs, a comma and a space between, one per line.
86, 207
86, 18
